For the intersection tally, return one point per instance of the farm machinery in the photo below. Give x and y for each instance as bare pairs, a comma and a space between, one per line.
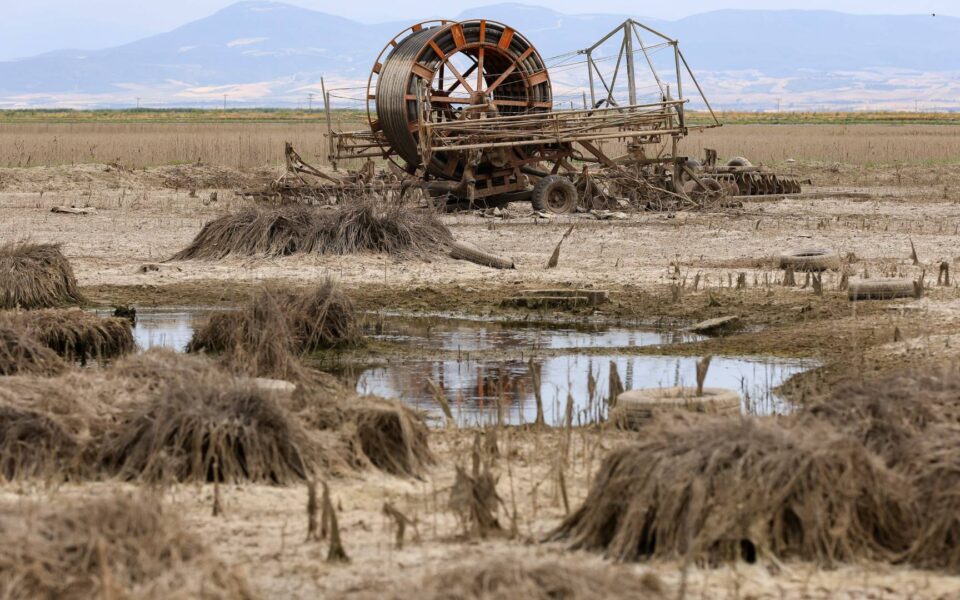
465, 112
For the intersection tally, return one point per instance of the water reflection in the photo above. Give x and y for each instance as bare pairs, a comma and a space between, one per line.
466, 335
478, 390
169, 328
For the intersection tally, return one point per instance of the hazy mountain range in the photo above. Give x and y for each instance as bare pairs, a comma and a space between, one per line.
272, 54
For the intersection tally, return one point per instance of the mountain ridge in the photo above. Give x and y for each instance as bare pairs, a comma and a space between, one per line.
273, 54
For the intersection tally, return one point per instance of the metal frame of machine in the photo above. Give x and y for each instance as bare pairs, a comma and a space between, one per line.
467, 108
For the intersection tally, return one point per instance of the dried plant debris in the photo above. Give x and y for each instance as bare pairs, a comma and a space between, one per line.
731, 489
268, 336
214, 427
118, 546
36, 276
358, 227
567, 578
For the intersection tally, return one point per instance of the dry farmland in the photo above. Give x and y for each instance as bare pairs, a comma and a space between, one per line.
333, 406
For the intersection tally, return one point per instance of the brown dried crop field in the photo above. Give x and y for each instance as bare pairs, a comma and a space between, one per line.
253, 465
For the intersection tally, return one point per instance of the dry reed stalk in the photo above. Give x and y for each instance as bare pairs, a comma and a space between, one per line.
401, 521
36, 276
312, 532
703, 365
731, 489
124, 546
555, 257
336, 553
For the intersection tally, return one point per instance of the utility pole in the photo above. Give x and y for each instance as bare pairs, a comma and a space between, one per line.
224, 102
310, 100
138, 103
778, 104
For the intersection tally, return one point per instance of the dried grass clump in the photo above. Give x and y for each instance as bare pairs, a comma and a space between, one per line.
113, 547
34, 444
268, 336
393, 229
214, 427
934, 470
534, 579
391, 436
382, 433
36, 276
888, 414
23, 354
76, 334
362, 226
280, 231
741, 490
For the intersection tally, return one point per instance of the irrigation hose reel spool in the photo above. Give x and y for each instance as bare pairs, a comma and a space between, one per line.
445, 71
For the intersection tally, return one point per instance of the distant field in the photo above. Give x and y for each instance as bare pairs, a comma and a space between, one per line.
247, 138
347, 116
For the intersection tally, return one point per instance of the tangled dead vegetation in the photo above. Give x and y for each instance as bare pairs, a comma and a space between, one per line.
268, 336
110, 547
162, 417
23, 354
392, 437
534, 579
74, 334
362, 226
890, 414
34, 444
213, 427
36, 276
934, 471
382, 433
731, 489
912, 420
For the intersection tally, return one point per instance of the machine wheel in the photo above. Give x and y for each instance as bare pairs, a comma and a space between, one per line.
739, 161
555, 194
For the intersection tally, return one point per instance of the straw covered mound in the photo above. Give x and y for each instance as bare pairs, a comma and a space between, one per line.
112, 547
890, 414
75, 334
23, 354
36, 276
534, 579
162, 416
731, 489
209, 427
268, 336
362, 226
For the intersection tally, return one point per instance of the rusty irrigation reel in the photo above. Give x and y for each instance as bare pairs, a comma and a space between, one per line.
447, 72
467, 111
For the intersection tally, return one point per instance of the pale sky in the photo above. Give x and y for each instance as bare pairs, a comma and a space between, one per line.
33, 26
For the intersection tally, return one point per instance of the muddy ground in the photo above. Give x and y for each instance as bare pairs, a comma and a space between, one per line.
647, 263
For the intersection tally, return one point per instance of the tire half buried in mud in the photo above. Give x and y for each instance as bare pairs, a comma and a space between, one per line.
637, 407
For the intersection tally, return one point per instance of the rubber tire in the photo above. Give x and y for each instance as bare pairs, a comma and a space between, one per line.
552, 184
810, 259
880, 289
635, 407
469, 252
739, 161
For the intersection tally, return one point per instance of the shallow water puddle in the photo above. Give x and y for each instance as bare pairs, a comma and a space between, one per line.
473, 388
169, 328
473, 335
478, 365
